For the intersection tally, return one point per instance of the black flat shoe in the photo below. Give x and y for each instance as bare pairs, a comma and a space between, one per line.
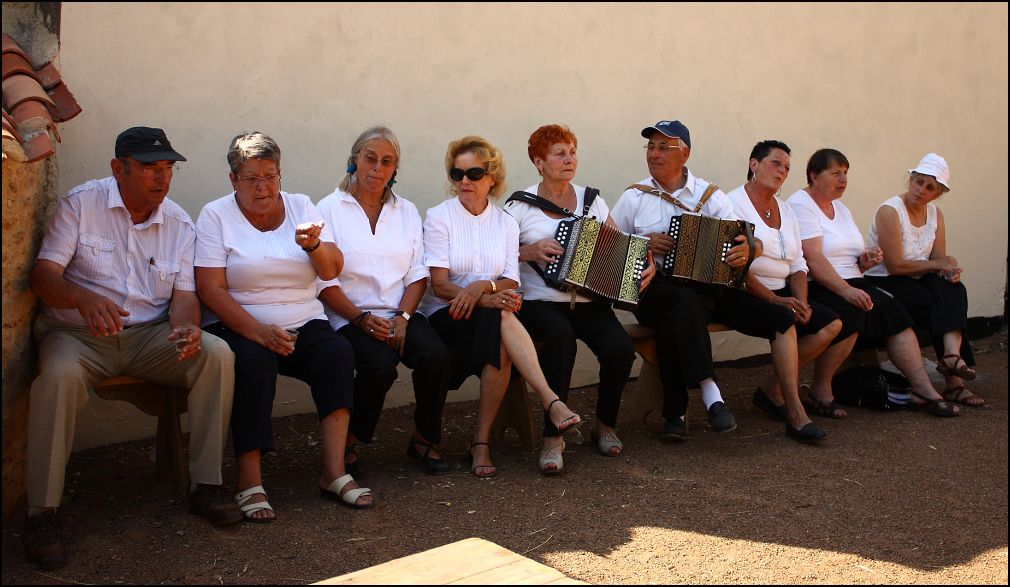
674, 430
809, 434
431, 466
763, 402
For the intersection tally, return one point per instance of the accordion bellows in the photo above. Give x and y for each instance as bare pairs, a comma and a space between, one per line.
701, 246
599, 260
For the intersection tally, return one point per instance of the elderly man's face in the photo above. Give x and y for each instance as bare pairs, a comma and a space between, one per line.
665, 156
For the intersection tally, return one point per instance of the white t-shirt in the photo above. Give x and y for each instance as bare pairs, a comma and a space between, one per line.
471, 247
916, 241
535, 225
640, 212
268, 274
841, 241
377, 267
783, 250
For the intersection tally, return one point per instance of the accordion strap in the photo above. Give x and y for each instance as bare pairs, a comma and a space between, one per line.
673, 199
751, 247
545, 204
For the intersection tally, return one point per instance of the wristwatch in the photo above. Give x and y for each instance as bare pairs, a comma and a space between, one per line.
403, 313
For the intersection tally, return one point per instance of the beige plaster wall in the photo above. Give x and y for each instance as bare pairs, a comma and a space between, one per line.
884, 83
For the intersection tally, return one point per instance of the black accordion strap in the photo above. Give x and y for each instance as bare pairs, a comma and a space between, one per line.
545, 204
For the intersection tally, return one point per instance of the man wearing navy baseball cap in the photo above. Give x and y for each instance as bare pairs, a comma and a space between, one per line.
117, 257
680, 313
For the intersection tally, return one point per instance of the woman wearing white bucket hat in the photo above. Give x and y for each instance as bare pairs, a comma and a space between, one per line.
918, 271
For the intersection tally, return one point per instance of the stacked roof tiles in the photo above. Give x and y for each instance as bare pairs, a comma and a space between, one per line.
34, 100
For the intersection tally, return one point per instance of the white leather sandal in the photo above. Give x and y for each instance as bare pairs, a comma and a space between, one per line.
552, 456
349, 498
248, 509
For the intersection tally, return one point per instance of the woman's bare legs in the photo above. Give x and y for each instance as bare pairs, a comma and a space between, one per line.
493, 384
250, 475
903, 348
333, 429
520, 348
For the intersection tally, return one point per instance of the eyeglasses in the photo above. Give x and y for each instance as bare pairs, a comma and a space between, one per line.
254, 181
473, 174
662, 148
150, 170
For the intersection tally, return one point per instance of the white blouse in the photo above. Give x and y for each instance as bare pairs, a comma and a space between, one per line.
640, 212
783, 250
916, 241
268, 274
535, 225
377, 267
841, 241
472, 248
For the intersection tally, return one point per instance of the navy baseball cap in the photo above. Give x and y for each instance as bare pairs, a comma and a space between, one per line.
145, 144
674, 129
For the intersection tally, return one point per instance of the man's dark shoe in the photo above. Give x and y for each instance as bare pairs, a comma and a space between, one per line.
210, 502
720, 418
43, 543
674, 430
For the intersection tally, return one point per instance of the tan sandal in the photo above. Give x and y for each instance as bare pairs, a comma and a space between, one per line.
961, 395
959, 369
606, 443
551, 460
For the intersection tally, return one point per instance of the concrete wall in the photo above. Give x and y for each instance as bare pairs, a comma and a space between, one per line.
884, 83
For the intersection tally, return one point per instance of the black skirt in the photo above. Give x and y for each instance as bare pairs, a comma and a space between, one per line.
474, 342
887, 318
820, 317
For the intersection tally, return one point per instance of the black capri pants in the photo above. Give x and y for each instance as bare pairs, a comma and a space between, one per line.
820, 316
375, 365
557, 325
322, 358
935, 304
887, 318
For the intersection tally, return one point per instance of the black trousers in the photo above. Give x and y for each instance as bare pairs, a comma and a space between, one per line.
935, 304
557, 326
322, 358
375, 363
680, 314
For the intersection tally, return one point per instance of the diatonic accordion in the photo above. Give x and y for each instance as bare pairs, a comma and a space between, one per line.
701, 247
599, 261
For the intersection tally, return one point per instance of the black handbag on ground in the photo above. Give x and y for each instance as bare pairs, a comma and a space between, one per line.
871, 387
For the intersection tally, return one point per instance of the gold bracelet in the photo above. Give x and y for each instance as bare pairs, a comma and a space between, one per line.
494, 286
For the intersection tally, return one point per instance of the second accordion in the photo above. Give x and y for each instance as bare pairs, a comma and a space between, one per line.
599, 261
701, 246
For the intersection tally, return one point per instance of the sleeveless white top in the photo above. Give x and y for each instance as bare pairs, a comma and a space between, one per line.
916, 241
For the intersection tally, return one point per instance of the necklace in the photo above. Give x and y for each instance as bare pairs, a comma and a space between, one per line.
768, 213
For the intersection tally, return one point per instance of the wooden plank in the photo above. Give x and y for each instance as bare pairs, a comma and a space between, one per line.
468, 562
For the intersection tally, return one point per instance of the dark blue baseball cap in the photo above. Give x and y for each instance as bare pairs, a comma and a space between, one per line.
146, 144
674, 129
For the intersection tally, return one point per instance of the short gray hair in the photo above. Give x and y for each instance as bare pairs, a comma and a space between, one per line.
252, 145
376, 132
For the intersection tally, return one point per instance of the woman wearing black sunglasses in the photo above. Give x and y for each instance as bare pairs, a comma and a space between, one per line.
471, 248
549, 314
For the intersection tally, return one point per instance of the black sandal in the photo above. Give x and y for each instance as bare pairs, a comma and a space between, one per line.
936, 407
960, 368
571, 424
473, 467
431, 465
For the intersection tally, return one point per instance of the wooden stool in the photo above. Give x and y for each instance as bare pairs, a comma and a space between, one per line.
516, 413
165, 402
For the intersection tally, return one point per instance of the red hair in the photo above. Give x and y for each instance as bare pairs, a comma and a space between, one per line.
545, 136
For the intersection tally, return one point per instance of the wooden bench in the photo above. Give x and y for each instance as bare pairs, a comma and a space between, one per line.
516, 408
167, 404
473, 561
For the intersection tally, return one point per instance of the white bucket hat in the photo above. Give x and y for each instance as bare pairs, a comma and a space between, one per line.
935, 166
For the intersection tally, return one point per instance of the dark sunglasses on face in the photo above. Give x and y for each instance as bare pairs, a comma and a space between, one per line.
473, 174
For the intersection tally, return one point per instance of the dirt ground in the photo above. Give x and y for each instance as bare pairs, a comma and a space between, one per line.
896, 497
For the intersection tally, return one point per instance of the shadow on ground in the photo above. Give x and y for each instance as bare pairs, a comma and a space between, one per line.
891, 497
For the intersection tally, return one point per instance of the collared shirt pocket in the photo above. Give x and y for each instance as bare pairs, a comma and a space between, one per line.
97, 255
161, 277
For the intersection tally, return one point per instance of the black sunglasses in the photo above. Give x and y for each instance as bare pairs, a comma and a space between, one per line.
473, 174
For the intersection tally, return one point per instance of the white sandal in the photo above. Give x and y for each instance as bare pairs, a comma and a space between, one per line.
552, 456
248, 509
350, 498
